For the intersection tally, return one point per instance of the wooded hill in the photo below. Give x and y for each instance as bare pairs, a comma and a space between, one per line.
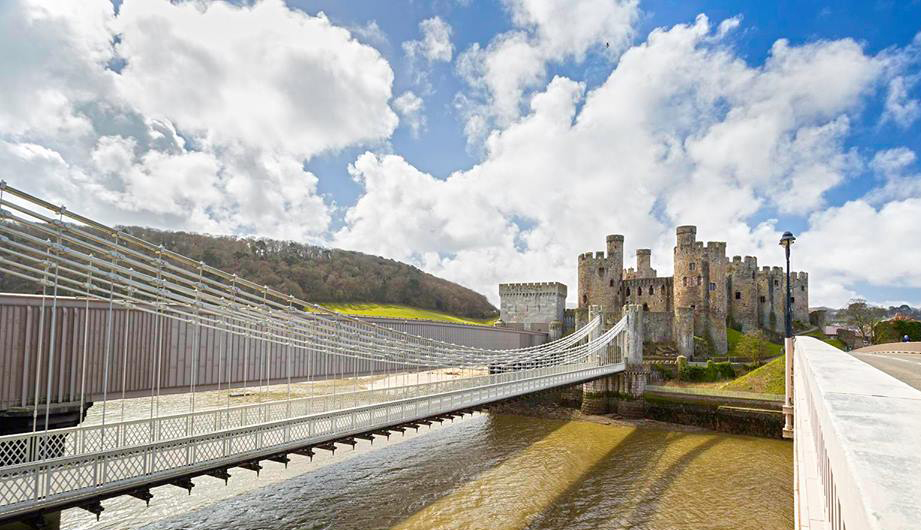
313, 273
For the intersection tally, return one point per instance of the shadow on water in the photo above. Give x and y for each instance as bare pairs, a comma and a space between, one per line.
503, 471
639, 493
375, 489
661, 479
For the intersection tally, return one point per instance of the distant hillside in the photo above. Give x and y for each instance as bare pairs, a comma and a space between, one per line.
313, 273
837, 315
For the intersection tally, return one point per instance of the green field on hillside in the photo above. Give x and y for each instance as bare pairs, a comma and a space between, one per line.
402, 311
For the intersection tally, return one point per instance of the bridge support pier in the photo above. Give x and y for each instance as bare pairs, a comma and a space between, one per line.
621, 393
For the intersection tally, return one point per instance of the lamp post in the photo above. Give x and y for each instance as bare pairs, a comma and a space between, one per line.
786, 241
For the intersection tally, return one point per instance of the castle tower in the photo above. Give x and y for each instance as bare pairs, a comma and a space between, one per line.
800, 295
685, 288
743, 292
600, 276
700, 285
644, 264
715, 271
532, 306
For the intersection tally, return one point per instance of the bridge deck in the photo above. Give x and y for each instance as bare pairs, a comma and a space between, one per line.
114, 466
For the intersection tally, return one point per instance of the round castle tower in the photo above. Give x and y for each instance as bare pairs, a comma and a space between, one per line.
600, 276
699, 291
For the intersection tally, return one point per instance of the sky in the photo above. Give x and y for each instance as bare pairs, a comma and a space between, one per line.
484, 141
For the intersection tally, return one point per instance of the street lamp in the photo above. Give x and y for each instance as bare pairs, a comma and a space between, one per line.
786, 241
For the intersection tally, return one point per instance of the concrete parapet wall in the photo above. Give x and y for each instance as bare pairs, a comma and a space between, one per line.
857, 430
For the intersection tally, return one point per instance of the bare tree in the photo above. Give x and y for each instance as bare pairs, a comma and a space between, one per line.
864, 317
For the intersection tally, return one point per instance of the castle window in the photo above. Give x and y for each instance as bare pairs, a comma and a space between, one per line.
684, 281
738, 295
645, 307
753, 275
693, 306
699, 280
600, 271
584, 298
792, 299
628, 291
639, 291
712, 286
691, 266
651, 291
611, 283
776, 283
761, 299
802, 288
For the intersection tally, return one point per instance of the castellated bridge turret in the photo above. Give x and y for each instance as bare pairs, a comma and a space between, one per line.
535, 306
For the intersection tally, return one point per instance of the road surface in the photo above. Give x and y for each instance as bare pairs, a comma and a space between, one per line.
901, 360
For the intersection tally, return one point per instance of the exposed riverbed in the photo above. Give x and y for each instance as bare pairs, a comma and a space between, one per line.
494, 471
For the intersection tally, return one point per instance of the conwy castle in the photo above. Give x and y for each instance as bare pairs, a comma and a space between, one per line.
707, 293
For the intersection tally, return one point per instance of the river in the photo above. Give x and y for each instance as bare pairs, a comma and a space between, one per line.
493, 471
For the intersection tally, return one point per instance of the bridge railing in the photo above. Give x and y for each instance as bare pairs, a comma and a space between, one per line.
856, 443
26, 487
91, 438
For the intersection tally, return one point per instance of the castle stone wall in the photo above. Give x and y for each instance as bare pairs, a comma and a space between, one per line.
657, 326
652, 294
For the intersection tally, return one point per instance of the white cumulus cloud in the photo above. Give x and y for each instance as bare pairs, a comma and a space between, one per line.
185, 115
436, 42
411, 108
500, 75
683, 131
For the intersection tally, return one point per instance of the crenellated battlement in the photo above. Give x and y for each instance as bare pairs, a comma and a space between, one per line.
532, 288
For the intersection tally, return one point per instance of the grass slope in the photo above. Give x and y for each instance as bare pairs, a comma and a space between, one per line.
733, 337
767, 379
402, 311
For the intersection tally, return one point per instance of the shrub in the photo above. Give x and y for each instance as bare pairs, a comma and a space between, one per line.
711, 373
666, 372
894, 330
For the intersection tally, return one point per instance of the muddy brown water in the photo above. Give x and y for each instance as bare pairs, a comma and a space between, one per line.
493, 471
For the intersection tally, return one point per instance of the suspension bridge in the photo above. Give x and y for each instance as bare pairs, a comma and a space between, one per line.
132, 367
117, 324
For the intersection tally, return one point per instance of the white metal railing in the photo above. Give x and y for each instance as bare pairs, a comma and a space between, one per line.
91, 438
33, 485
856, 439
